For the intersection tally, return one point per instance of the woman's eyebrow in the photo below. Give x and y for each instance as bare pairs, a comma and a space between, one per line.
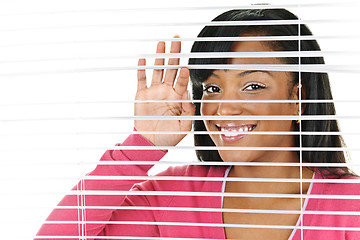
242, 74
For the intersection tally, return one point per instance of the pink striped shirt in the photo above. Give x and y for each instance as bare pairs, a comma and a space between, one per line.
182, 212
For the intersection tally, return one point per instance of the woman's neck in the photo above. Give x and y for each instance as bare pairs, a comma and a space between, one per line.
277, 172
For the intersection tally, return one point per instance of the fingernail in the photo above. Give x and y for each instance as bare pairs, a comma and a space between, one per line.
141, 61
184, 71
161, 43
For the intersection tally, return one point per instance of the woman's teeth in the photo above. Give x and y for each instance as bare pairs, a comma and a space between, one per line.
234, 131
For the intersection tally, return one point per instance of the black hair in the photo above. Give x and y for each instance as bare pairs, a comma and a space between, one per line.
314, 85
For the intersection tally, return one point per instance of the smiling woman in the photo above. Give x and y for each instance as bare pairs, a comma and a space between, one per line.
258, 95
255, 88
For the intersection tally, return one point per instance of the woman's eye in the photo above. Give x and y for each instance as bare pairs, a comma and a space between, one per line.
254, 87
211, 89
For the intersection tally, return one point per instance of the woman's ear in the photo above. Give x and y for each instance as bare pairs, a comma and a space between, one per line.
295, 95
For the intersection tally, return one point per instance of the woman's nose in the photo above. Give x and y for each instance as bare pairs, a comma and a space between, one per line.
229, 107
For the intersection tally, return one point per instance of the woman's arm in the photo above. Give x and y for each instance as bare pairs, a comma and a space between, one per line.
81, 205
73, 220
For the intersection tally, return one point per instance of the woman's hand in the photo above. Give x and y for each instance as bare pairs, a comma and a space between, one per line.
163, 88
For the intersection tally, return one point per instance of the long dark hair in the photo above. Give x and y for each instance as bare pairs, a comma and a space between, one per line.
314, 85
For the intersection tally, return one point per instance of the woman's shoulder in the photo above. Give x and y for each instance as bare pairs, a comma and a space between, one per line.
347, 184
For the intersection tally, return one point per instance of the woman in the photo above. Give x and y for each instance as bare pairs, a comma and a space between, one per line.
183, 212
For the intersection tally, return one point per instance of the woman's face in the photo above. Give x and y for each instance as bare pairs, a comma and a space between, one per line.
249, 85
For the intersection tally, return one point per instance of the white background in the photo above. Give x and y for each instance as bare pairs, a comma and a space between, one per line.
44, 145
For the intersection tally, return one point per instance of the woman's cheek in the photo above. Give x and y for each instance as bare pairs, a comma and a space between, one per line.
207, 108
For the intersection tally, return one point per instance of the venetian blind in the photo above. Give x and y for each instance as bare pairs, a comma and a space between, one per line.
68, 74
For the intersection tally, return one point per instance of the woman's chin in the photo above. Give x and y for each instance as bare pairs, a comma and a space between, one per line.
235, 156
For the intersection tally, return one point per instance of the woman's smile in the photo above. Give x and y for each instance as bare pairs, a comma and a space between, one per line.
232, 132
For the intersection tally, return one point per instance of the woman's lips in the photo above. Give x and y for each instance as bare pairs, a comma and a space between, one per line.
233, 133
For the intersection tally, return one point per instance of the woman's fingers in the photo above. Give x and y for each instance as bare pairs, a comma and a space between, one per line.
182, 81
141, 75
158, 73
170, 74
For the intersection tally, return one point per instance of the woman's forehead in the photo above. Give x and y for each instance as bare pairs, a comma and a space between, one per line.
253, 46
258, 60
250, 46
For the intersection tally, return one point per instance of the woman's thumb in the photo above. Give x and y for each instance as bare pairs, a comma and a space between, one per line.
188, 107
